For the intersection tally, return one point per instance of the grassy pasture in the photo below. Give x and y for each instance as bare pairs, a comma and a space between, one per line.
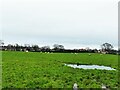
47, 70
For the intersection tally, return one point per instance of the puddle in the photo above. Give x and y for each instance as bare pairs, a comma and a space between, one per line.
90, 67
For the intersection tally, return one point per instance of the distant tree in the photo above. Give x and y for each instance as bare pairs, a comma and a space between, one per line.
58, 47
17, 47
45, 48
35, 47
1, 43
27, 47
95, 50
10, 47
106, 47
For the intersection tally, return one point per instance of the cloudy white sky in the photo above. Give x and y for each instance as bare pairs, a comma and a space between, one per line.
73, 23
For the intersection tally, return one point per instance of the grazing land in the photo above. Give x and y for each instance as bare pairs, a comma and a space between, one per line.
47, 70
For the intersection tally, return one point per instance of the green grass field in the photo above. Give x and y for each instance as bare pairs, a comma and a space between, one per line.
43, 70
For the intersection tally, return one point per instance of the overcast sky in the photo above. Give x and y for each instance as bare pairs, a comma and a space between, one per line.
73, 23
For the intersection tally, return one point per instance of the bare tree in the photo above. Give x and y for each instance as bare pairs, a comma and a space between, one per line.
106, 47
10, 47
1, 43
45, 48
17, 47
58, 47
35, 47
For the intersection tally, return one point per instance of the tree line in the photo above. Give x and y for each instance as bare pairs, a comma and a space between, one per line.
105, 48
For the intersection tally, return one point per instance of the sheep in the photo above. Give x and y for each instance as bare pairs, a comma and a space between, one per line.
26, 51
103, 86
75, 86
89, 54
75, 53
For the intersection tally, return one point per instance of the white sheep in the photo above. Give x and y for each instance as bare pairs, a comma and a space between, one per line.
75, 86
103, 86
26, 51
89, 54
75, 53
